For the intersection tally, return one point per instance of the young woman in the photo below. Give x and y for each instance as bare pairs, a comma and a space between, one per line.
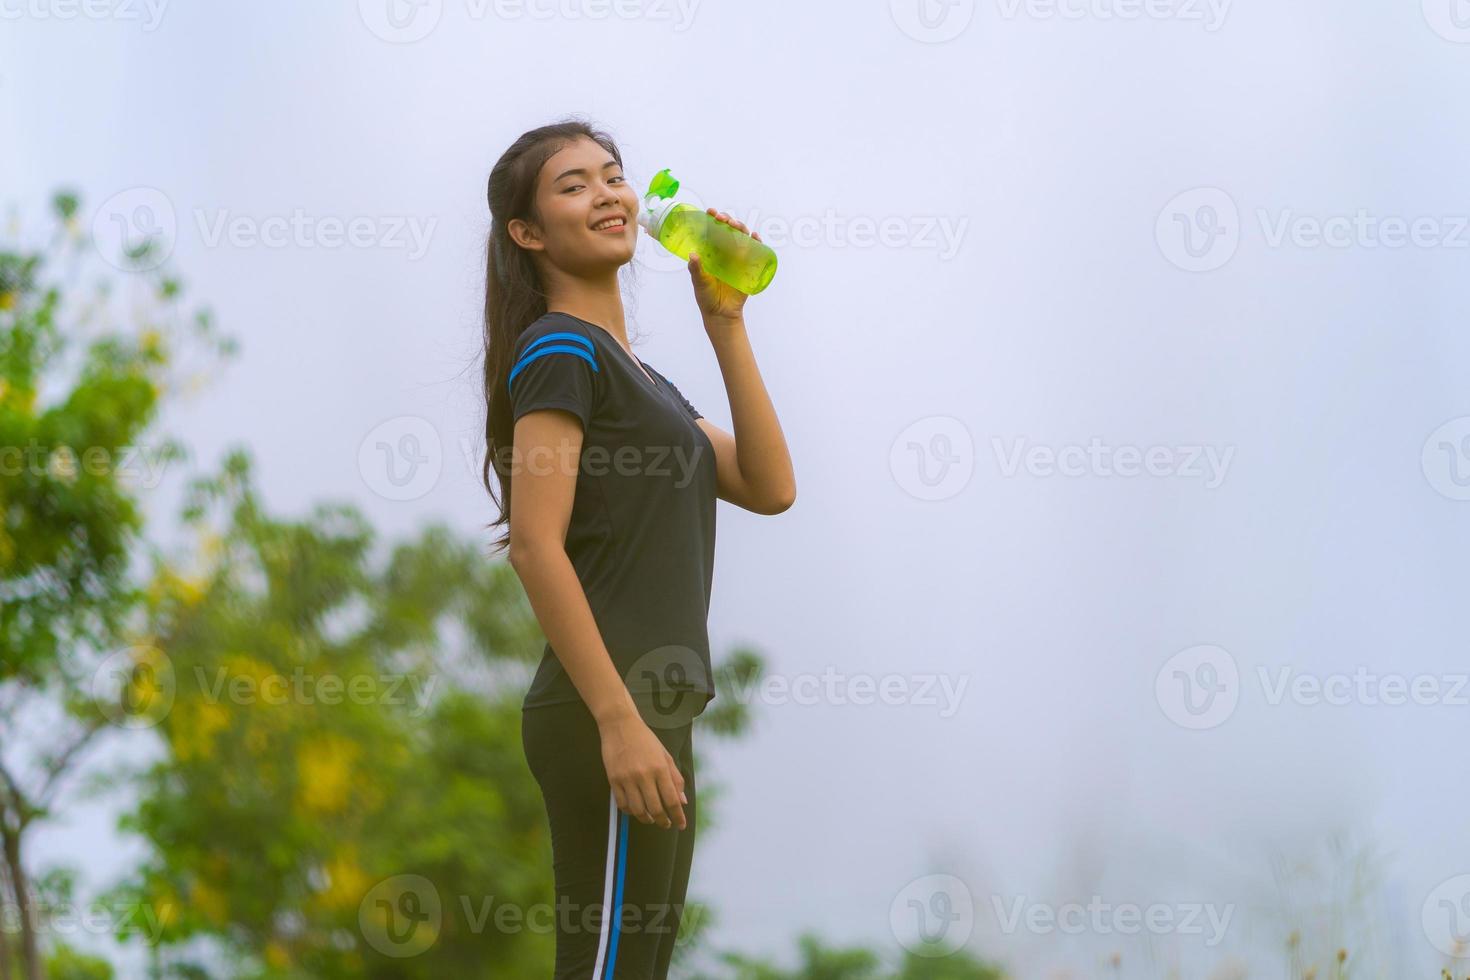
614, 476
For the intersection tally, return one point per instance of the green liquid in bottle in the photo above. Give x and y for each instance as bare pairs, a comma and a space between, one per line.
730, 255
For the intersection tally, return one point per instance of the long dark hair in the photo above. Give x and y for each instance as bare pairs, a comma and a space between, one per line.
514, 294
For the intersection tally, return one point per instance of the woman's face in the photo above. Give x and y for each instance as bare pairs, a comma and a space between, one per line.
580, 188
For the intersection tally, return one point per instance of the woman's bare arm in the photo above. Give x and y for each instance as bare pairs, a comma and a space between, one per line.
543, 487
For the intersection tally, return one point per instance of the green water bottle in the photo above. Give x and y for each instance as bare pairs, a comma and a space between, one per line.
728, 254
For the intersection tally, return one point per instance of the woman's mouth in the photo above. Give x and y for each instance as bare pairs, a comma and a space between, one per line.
611, 224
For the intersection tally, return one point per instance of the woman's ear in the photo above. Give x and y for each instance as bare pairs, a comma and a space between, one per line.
524, 234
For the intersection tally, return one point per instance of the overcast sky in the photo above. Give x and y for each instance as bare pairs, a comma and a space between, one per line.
1120, 347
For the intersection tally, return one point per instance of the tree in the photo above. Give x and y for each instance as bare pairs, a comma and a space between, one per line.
343, 791
818, 961
71, 516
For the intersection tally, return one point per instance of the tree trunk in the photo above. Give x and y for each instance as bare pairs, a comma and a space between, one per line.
6, 899
30, 955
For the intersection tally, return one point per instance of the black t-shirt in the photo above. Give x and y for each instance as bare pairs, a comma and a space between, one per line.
642, 530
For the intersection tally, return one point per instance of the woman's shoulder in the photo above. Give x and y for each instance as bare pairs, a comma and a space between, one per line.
557, 328
549, 323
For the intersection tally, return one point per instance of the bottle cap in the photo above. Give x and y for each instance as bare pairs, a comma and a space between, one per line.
657, 202
663, 185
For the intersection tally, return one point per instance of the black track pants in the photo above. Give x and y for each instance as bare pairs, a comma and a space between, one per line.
603, 858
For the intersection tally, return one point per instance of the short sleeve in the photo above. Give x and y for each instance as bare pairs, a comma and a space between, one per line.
693, 412
554, 367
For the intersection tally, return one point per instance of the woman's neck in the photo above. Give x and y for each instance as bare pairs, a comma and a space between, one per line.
596, 302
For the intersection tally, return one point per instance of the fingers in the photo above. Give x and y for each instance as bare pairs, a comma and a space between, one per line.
669, 785
733, 222
655, 797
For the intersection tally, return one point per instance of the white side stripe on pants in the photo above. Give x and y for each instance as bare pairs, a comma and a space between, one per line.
612, 873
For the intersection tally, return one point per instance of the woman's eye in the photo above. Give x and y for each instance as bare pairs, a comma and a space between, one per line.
619, 177
566, 190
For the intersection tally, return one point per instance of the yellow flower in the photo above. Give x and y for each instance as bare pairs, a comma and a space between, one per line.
324, 767
347, 883
276, 955
211, 903
193, 737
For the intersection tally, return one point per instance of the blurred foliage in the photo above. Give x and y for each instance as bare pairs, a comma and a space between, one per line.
817, 961
82, 374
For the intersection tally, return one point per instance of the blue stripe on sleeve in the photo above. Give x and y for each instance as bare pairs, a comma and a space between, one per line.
544, 346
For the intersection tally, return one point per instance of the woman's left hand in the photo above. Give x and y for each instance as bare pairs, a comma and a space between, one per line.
718, 300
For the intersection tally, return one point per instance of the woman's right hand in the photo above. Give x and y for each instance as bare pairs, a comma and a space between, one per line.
645, 780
